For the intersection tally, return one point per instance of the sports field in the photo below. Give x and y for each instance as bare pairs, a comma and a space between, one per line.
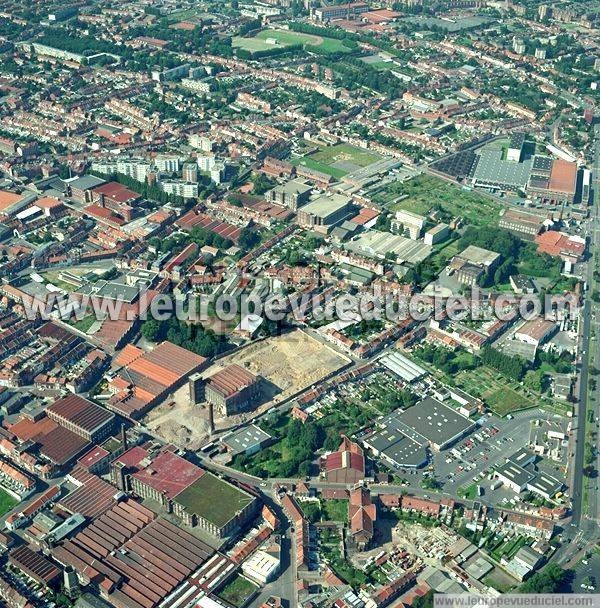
279, 38
338, 160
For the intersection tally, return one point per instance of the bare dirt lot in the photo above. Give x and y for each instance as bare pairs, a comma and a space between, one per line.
288, 364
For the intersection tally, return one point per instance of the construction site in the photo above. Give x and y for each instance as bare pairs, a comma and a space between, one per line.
286, 364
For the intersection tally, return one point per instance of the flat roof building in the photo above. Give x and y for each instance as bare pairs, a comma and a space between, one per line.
439, 424
248, 440
325, 212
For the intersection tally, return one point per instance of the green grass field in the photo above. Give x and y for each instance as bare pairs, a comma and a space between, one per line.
346, 153
345, 156
426, 192
311, 163
7, 502
287, 38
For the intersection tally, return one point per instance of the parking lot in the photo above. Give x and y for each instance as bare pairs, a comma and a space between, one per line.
471, 460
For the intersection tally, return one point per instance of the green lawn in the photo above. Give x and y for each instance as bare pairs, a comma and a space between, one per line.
334, 510
83, 324
496, 391
346, 153
288, 38
7, 502
469, 492
238, 591
309, 162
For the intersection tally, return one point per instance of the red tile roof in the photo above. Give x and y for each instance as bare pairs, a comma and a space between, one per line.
169, 474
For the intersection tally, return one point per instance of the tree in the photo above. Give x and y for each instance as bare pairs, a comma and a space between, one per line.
550, 580
248, 238
261, 184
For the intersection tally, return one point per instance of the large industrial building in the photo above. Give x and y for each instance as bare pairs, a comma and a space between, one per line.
473, 264
233, 390
292, 194
196, 496
402, 437
143, 379
82, 417
322, 214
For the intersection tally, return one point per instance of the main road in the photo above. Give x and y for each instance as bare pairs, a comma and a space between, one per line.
589, 395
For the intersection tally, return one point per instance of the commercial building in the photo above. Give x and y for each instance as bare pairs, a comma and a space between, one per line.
261, 567
378, 244
247, 440
537, 331
233, 390
519, 473
340, 11
524, 562
408, 224
523, 224
325, 212
494, 173
34, 566
556, 186
397, 449
521, 284
514, 152
437, 234
196, 496
439, 424
402, 437
215, 505
292, 194
473, 264
557, 244
134, 557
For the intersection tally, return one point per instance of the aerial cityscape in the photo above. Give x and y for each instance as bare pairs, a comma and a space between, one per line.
299, 303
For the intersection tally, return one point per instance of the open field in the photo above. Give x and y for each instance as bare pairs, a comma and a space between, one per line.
7, 502
284, 38
338, 160
426, 193
311, 163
